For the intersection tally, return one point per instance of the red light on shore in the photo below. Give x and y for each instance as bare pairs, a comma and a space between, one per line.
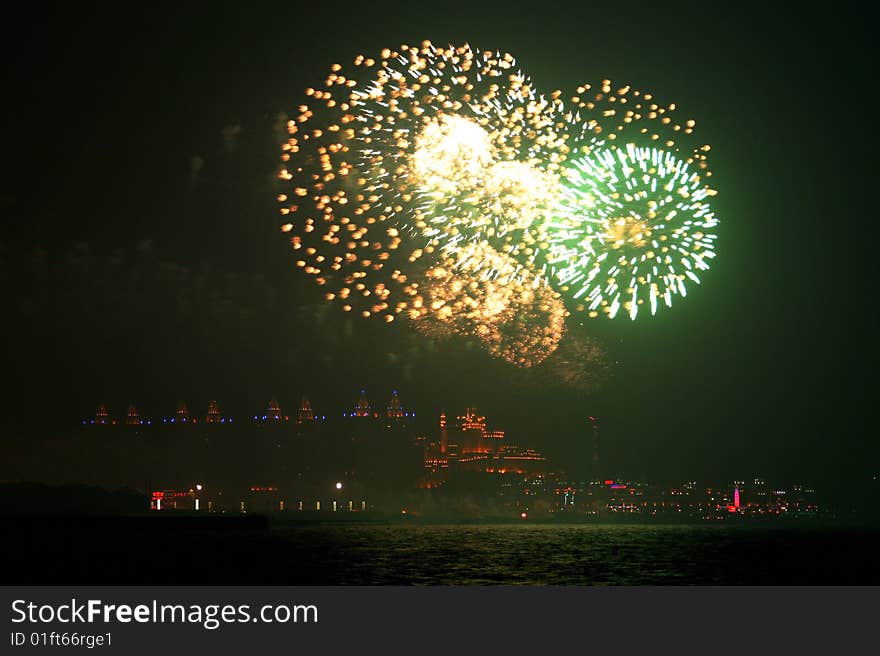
523, 515
610, 481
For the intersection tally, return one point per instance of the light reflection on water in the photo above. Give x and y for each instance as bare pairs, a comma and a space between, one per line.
581, 555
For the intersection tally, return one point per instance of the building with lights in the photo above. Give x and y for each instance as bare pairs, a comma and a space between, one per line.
273, 411
194, 499
133, 417
101, 416
397, 417
471, 447
214, 416
395, 408
272, 415
305, 414
472, 429
362, 407
181, 417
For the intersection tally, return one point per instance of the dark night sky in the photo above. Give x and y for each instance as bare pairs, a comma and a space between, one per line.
126, 277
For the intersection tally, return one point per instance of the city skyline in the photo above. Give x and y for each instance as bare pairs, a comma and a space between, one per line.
430, 433
581, 430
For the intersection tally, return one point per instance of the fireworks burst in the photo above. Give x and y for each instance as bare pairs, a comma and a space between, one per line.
482, 293
437, 184
634, 225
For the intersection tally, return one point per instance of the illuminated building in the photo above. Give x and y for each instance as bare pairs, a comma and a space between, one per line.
101, 416
513, 459
475, 437
394, 409
175, 500
194, 499
214, 416
272, 414
474, 448
472, 421
395, 414
473, 427
305, 412
362, 407
181, 416
273, 411
132, 417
